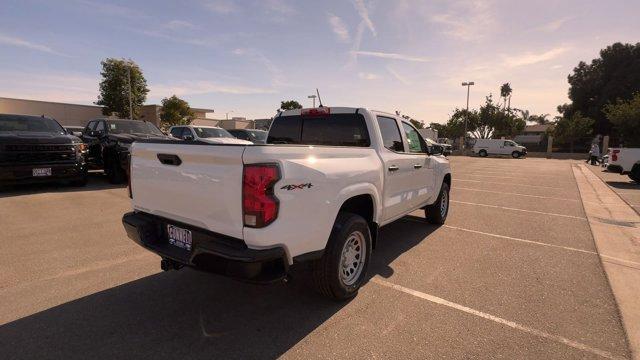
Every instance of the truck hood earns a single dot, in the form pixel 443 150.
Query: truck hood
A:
pixel 129 138
pixel 29 137
pixel 225 141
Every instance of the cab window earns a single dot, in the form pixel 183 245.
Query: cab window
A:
pixel 390 133
pixel 414 140
pixel 100 126
pixel 176 132
pixel 509 143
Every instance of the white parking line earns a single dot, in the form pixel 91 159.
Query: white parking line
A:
pixel 517 194
pixel 493 176
pixel 440 301
pixel 522 210
pixel 511 183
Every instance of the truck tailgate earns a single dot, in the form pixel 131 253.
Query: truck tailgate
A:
pixel 200 185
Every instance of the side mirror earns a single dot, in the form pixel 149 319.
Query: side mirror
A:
pixel 96 133
pixel 188 137
pixel 436 150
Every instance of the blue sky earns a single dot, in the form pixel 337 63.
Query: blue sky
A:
pixel 247 55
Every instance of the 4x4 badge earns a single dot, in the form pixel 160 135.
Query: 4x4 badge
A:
pixel 299 186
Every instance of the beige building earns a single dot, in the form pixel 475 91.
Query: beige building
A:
pixel 79 115
pixel 233 123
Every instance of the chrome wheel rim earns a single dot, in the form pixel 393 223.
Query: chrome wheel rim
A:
pixel 352 258
pixel 444 204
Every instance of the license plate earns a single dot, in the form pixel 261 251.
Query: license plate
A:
pixel 179 237
pixel 41 172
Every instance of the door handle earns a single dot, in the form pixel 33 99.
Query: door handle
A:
pixel 169 159
pixel 393 168
pixel 417 166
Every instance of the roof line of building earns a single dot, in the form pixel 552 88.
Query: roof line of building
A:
pixel 91 106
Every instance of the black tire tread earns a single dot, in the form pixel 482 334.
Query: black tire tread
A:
pixel 432 212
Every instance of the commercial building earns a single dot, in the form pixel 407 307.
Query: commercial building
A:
pixel 79 115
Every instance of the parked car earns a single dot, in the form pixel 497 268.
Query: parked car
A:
pixel 318 192
pixel 37 149
pixel 486 147
pixel 625 161
pixel 208 134
pixel 253 135
pixel 446 149
pixel 74 130
pixel 109 140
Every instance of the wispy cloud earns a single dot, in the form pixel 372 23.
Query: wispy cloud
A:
pixel 178 24
pixel 339 28
pixel 222 7
pixel 530 58
pixel 103 8
pixel 397 76
pixel 555 25
pixel 199 87
pixel 368 76
pixel 195 41
pixel 466 20
pixel 394 56
pixel 48 86
pixel 364 15
pixel 18 42
pixel 277 75
pixel 280 7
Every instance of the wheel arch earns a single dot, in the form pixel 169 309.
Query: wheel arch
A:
pixel 366 204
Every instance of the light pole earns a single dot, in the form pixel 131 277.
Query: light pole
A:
pixel 468 84
pixel 314 99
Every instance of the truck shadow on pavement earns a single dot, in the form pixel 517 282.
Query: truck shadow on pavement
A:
pixel 97 181
pixel 190 314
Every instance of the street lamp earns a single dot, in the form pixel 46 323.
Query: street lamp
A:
pixel 129 65
pixel 468 84
pixel 314 99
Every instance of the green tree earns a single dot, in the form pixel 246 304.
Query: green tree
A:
pixel 175 111
pixel 625 117
pixel 454 127
pixel 114 88
pixel 417 123
pixel 613 76
pixel 290 105
pixel 570 129
pixel 541 119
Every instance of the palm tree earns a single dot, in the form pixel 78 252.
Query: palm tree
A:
pixel 505 92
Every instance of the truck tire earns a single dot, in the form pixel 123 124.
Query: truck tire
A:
pixel 635 173
pixel 115 173
pixel 515 154
pixel 483 153
pixel 437 212
pixel 340 272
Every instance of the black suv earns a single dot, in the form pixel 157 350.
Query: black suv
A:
pixel 109 140
pixel 38 149
pixel 253 135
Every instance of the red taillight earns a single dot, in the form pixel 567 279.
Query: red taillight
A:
pixel 259 204
pixel 614 155
pixel 316 112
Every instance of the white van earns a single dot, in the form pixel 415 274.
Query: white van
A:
pixel 485 147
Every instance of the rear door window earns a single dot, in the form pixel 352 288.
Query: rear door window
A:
pixel 390 133
pixel 328 130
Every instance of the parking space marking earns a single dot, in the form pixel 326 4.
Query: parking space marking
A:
pixel 520 172
pixel 522 210
pixel 440 301
pixel 514 184
pixel 497 177
pixel 516 194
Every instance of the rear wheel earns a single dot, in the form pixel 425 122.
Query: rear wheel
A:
pixel 635 173
pixel 515 154
pixel 483 153
pixel 437 212
pixel 343 267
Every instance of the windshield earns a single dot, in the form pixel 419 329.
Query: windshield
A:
pixel 132 127
pixel 29 124
pixel 257 135
pixel 203 132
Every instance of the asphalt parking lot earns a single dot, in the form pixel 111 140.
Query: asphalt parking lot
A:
pixel 514 273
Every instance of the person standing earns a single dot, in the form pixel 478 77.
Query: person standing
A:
pixel 594 153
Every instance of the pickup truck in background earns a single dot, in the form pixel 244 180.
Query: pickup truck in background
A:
pixel 625 161
pixel 318 191
pixel 108 142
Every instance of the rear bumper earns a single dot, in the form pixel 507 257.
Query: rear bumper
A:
pixel 210 252
pixel 23 174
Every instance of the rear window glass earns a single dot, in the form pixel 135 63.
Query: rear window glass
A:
pixel 332 130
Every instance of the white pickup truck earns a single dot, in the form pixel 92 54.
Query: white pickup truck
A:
pixel 625 161
pixel 319 190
